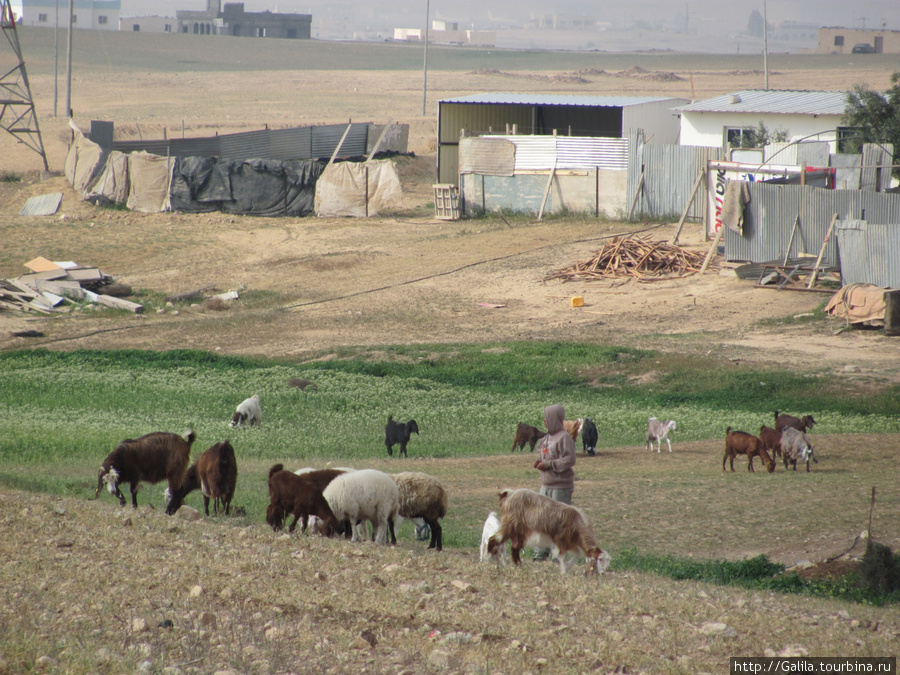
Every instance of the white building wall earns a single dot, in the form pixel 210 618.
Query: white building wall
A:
pixel 656 115
pixel 709 128
pixel 88 16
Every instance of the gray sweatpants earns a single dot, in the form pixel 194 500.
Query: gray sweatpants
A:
pixel 564 496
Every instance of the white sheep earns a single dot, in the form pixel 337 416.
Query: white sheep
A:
pixel 491 527
pixel 659 432
pixel 366 495
pixel 248 412
pixel 422 497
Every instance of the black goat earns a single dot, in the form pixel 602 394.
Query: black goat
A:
pixel 398 432
pixel 589 436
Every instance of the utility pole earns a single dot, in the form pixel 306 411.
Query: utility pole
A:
pixel 56 60
pixel 425 65
pixel 69 60
pixel 766 44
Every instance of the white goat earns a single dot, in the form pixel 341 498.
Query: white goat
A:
pixel 248 412
pixel 491 527
pixel 795 446
pixel 659 432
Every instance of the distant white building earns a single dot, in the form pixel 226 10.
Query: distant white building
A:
pixel 722 120
pixel 149 24
pixel 86 14
pixel 447 32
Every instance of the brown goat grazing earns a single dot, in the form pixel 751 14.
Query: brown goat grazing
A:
pixel 215 474
pixel 300 496
pixel 742 443
pixel 154 457
pixel 531 519
pixel 525 433
pixel 771 440
pixel 803 424
pixel 573 427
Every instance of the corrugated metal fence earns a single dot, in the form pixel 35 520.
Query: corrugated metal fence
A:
pixel 773 209
pixel 670 172
pixel 870 253
pixel 286 144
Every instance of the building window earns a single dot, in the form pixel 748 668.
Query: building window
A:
pixel 168 28
pixel 849 140
pixel 136 28
pixel 838 40
pixel 74 18
pixel 735 137
pixel 101 20
pixel 42 18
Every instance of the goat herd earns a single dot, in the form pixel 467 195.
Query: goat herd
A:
pixel 342 501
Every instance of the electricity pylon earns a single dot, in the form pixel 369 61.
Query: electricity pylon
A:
pixel 17 114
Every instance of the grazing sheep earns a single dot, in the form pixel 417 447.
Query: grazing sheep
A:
pixel 573 427
pixel 659 432
pixel 796 446
pixel 302 384
pixel 531 519
pixel 491 527
pixel 398 432
pixel 422 496
pixel 301 496
pixel 248 412
pixel 215 473
pixel 156 456
pixel 742 443
pixel 366 495
pixel 589 436
pixel 803 424
pixel 525 433
pixel 771 440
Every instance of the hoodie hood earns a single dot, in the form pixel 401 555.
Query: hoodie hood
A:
pixel 553 418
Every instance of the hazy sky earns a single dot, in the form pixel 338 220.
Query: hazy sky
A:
pixel 824 12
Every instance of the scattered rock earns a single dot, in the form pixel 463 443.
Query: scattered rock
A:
pixel 189 514
pixel 852 369
pixel 443 660
pixel 196 591
pixel 138 625
pixel 208 619
pixel 464 586
pixel 715 628
pixel 793 650
pixel 166 623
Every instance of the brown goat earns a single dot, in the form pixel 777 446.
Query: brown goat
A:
pixel 742 443
pixel 215 474
pixel 531 519
pixel 573 427
pixel 300 496
pixel 154 457
pixel 525 433
pixel 803 424
pixel 771 440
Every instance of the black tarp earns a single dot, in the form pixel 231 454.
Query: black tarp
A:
pixel 254 187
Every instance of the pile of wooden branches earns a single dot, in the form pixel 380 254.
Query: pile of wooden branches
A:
pixel 642 259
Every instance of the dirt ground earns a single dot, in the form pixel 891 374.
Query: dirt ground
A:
pixel 310 284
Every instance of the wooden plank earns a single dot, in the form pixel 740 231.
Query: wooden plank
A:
pixel 712 249
pixel 340 143
pixel 815 274
pixel 27 290
pixel 637 193
pixel 547 190
pixel 687 207
pixel 83 274
pixel 118 303
pixel 41 264
pixel 380 139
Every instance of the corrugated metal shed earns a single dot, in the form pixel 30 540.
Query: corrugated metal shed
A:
pixel 770 215
pixel 869 253
pixel 552 99
pixel 770 101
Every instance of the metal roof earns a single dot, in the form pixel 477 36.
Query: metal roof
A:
pixel 769 101
pixel 539 99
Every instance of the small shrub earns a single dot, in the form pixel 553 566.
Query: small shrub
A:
pixel 10 177
pixel 878 570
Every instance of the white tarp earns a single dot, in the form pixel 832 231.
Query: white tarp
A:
pixel 358 190
pixel 150 177
pixel 83 161
pixel 111 187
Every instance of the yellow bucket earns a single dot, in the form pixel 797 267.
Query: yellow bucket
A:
pixel 577 301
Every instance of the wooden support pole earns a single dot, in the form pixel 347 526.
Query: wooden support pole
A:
pixel 787 253
pixel 712 249
pixel 637 193
pixel 547 191
pixel 815 274
pixel 687 207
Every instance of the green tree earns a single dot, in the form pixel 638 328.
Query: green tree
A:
pixel 875 117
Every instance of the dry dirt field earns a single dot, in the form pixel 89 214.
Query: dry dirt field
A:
pixel 312 284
